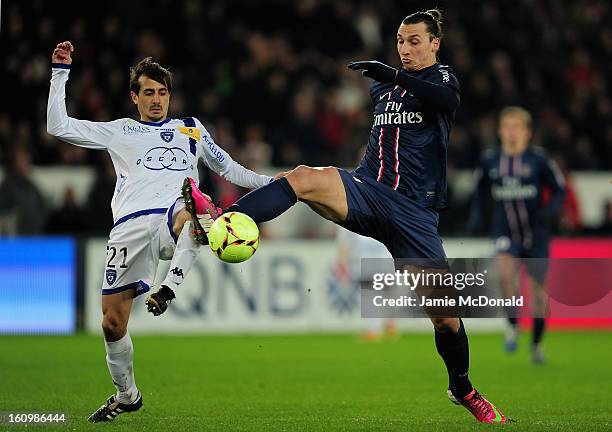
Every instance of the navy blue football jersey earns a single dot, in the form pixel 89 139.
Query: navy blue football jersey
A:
pixel 515 184
pixel 408 143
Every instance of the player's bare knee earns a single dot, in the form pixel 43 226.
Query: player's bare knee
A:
pixel 308 182
pixel 300 180
pixel 446 325
pixel 113 327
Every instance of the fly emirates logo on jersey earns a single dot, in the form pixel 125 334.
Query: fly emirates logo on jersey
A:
pixel 394 115
pixel 512 189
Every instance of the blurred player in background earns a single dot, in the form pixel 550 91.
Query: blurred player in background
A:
pixel 352 248
pixel 515 176
pixel 152 158
pixel 400 185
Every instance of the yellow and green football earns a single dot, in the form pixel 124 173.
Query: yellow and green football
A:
pixel 233 237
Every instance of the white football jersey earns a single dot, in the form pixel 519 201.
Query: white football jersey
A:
pixel 151 159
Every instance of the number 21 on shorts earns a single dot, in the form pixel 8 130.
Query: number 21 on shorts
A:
pixel 115 259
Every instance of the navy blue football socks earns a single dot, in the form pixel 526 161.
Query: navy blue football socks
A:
pixel 267 202
pixel 455 351
pixel 538 330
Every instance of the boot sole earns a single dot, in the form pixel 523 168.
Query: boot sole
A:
pixel 198 232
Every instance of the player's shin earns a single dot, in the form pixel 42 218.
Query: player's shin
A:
pixel 454 349
pixel 267 202
pixel 185 255
pixel 119 357
pixel 512 329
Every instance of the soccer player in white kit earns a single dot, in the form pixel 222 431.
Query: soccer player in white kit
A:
pixel 352 249
pixel 152 158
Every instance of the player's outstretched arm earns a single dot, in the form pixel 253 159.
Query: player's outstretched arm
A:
pixel 222 163
pixel 83 133
pixel 436 96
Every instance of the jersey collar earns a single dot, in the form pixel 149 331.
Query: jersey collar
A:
pixel 155 123
pixel 425 69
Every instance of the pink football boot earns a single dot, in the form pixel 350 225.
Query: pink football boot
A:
pixel 200 207
pixel 482 409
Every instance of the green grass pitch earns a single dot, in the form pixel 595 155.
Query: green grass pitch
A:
pixel 311 382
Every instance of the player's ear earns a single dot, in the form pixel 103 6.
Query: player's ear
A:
pixel 435 43
pixel 134 97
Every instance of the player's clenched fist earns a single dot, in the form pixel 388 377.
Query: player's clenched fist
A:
pixel 62 52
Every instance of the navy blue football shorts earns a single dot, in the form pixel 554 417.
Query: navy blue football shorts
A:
pixel 408 229
pixel 534 255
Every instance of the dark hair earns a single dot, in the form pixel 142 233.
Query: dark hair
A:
pixel 151 69
pixel 432 19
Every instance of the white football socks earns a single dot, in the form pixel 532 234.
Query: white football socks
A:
pixel 119 357
pixel 185 255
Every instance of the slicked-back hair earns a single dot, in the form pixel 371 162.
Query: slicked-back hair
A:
pixel 432 19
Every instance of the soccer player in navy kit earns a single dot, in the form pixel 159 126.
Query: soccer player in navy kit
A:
pixel 514 176
pixel 395 194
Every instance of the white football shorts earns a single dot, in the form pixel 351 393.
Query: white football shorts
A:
pixel 135 246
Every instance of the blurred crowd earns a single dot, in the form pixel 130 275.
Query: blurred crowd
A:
pixel 269 78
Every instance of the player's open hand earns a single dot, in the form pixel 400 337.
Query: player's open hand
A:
pixel 376 70
pixel 62 53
